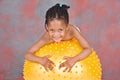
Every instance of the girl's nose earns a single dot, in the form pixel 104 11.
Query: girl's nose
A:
pixel 56 34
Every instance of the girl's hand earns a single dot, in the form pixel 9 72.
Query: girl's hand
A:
pixel 69 63
pixel 47 63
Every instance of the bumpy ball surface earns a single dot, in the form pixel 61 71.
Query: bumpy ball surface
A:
pixel 87 69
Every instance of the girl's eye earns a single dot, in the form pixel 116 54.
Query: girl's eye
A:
pixel 60 29
pixel 51 30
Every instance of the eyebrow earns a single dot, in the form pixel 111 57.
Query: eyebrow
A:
pixel 51 29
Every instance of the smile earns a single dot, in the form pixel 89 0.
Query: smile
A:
pixel 57 39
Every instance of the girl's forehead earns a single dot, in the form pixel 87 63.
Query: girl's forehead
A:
pixel 57 22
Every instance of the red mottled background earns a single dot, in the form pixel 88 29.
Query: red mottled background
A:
pixel 22 23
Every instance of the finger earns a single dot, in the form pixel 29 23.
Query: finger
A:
pixel 66 57
pixel 52 63
pixel 51 67
pixel 46 69
pixel 69 69
pixel 61 65
pixel 65 69
pixel 48 56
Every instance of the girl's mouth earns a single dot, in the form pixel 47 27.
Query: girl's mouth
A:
pixel 57 39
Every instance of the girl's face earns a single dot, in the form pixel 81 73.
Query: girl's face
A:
pixel 57 29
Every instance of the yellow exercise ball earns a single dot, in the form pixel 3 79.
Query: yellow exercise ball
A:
pixel 87 69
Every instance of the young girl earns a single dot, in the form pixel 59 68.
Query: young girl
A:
pixel 58 29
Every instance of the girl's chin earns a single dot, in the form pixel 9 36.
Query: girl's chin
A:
pixel 57 40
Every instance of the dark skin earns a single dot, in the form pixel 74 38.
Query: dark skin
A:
pixel 58 30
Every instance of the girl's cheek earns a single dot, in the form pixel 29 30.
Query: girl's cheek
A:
pixel 52 34
pixel 63 33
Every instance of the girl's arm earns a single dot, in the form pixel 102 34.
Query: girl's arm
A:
pixel 44 61
pixel 84 43
pixel 30 53
pixel 70 61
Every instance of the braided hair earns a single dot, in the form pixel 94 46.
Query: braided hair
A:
pixel 58 11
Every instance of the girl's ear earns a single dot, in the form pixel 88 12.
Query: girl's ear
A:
pixel 46 27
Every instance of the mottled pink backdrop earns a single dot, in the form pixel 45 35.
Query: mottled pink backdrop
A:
pixel 22 24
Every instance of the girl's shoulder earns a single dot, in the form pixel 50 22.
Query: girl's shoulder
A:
pixel 74 28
